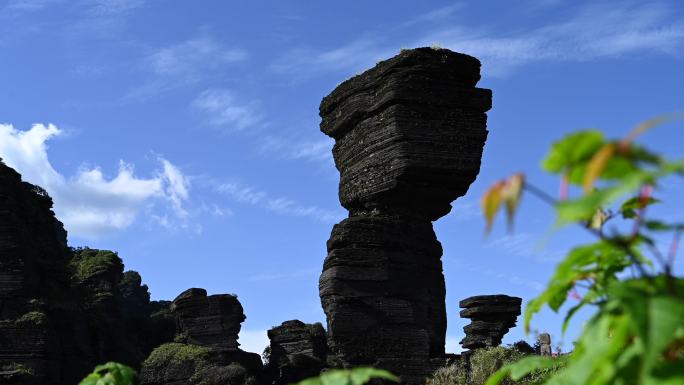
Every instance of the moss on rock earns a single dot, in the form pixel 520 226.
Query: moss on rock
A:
pixel 89 263
pixel 173 351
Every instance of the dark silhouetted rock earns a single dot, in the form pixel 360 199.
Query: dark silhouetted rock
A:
pixel 297 351
pixel 62 310
pixel 208 320
pixel 206 349
pixel 409 135
pixel 492 316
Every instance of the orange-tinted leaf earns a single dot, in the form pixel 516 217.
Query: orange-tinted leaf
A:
pixel 648 124
pixel 491 201
pixel 512 192
pixel 596 165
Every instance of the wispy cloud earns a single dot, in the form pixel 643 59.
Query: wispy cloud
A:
pixel 304 149
pixel 222 109
pixel 189 60
pixel 436 14
pixel 513 279
pixel 600 30
pixel 527 246
pixel 279 205
pixel 353 57
pixel 90 204
pixel 597 31
pixel 466 209
pixel 185 63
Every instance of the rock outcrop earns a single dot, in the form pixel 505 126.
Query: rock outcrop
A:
pixel 206 351
pixel 62 310
pixel 409 135
pixel 297 351
pixel 492 316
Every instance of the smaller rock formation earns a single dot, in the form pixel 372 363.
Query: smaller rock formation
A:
pixel 492 316
pixel 297 351
pixel 545 344
pixel 206 349
pixel 212 321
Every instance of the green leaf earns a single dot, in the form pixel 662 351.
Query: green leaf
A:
pixel 360 376
pixel 571 150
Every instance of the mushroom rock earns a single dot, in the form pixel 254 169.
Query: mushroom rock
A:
pixel 492 316
pixel 409 135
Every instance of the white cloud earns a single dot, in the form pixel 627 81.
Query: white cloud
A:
pixel 90 204
pixel 223 110
pixel 254 341
pixel 279 205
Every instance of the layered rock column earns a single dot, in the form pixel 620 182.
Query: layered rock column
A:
pixel 409 135
pixel 492 316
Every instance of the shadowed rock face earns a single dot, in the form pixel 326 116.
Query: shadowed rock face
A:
pixel 492 316
pixel 208 320
pixel 62 310
pixel 409 135
pixel 206 351
pixel 297 351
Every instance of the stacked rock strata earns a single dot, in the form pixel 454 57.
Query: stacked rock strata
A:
pixel 297 351
pixel 62 310
pixel 492 316
pixel 409 135
pixel 206 351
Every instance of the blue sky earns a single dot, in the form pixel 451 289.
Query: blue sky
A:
pixel 184 135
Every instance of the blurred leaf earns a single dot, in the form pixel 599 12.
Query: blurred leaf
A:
pixel 596 165
pixel 598 219
pixel 650 123
pixel 491 202
pixel 355 376
pixel 571 150
pixel 511 194
pixel 521 368
pixel 362 375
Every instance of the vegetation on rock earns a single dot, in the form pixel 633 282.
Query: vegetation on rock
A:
pixel 175 351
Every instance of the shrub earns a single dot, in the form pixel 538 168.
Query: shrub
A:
pixel 453 374
pixel 485 362
pixel 89 263
pixel 33 317
pixel 175 352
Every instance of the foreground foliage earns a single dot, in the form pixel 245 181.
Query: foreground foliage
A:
pixel 356 376
pixel 636 335
pixel 110 373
